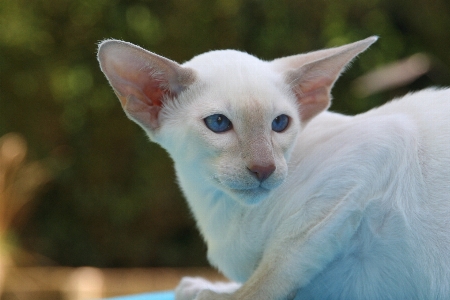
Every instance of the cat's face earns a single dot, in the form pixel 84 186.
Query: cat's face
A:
pixel 228 119
pixel 234 127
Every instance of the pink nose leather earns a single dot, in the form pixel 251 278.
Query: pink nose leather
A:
pixel 262 172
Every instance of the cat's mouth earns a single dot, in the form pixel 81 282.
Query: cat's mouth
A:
pixel 247 192
pixel 249 196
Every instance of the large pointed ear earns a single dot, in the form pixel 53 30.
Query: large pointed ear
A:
pixel 312 75
pixel 142 80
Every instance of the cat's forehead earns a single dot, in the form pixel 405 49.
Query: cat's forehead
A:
pixel 231 67
pixel 220 59
pixel 239 80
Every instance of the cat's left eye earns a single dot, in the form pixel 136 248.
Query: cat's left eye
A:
pixel 280 123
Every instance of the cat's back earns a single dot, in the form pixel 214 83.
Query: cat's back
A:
pixel 428 109
pixel 415 199
pixel 414 130
pixel 427 114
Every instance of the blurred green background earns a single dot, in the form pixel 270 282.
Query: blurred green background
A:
pixel 112 200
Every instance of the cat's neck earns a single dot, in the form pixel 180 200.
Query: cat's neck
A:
pixel 205 200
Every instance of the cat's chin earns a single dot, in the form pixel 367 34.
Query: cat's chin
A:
pixel 249 196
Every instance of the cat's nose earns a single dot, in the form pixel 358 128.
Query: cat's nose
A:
pixel 262 172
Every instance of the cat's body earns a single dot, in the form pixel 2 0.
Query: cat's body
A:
pixel 326 207
pixel 387 157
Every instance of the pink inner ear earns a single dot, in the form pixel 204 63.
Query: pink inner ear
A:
pixel 145 107
pixel 147 89
pixel 313 103
pixel 154 93
pixel 141 96
pixel 141 79
pixel 313 96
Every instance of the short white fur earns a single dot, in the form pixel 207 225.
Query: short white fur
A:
pixel 348 208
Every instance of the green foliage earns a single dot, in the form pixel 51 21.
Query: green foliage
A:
pixel 114 201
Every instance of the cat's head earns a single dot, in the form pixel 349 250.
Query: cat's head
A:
pixel 228 119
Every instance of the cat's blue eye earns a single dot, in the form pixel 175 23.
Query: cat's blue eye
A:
pixel 218 123
pixel 280 123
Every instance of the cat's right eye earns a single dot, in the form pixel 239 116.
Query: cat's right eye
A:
pixel 218 123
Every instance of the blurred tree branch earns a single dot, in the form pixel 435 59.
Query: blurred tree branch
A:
pixel 19 180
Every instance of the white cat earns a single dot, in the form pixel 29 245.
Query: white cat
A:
pixel 295 202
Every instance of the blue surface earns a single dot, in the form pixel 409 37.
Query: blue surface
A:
pixel 149 296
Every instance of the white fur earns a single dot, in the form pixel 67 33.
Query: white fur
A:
pixel 357 208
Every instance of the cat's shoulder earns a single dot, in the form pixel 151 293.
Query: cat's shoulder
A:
pixel 421 102
pixel 428 110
